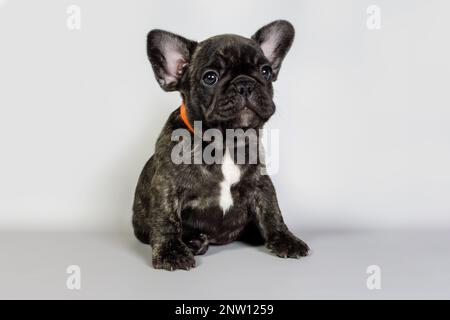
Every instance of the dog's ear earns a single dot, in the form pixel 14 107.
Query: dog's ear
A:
pixel 169 55
pixel 275 40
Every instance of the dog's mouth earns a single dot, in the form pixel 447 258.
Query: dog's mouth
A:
pixel 241 114
pixel 247 118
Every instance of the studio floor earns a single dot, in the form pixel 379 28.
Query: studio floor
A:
pixel 413 264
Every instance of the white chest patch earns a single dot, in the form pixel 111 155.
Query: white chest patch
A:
pixel 231 175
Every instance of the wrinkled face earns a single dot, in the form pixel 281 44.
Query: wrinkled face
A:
pixel 226 81
pixel 231 83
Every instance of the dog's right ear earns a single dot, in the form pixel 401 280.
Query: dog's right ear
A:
pixel 169 55
pixel 275 40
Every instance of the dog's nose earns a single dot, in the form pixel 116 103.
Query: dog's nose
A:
pixel 244 85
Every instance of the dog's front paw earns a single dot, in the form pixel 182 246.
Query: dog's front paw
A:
pixel 288 246
pixel 172 255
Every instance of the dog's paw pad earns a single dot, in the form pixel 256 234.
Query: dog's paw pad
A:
pixel 199 246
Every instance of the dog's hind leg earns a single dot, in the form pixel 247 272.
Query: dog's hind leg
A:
pixel 198 245
pixel 142 205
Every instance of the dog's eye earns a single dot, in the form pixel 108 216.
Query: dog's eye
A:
pixel 210 78
pixel 266 71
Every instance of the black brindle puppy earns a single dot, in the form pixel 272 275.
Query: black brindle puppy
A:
pixel 225 82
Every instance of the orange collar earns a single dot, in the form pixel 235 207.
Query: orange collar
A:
pixel 183 116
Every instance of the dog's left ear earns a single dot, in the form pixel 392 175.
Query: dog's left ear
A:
pixel 275 40
pixel 169 55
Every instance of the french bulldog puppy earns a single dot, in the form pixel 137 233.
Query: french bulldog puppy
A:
pixel 226 83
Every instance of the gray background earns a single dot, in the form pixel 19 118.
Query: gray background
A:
pixel 363 118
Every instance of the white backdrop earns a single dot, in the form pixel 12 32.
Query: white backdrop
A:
pixel 363 114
